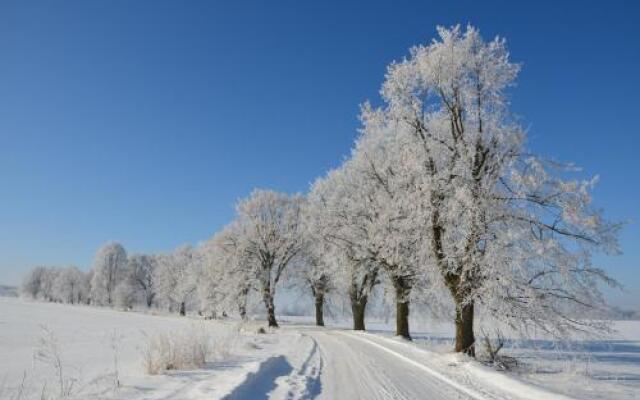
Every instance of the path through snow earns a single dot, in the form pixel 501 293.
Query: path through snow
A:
pixel 292 363
pixel 335 364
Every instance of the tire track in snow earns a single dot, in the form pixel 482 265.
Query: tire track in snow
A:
pixel 305 383
pixel 461 388
pixel 355 370
pixel 490 384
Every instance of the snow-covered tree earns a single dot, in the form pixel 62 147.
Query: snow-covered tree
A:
pixel 33 282
pixel 48 287
pixel 369 222
pixel 498 227
pixel 382 206
pixel 330 205
pixel 88 277
pixel 175 277
pixel 228 276
pixel 269 225
pixel 71 286
pixel 140 274
pixel 125 295
pixel 313 276
pixel 108 270
pixel 315 270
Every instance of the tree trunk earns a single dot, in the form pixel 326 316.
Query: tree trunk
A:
pixel 242 302
pixel 357 309
pixel 402 319
pixel 242 310
pixel 319 308
pixel 465 339
pixel 402 288
pixel 150 299
pixel 183 310
pixel 271 308
pixel 268 294
pixel 271 316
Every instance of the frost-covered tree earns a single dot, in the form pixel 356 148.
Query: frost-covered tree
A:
pixel 330 205
pixel 175 277
pixel 269 225
pixel 88 277
pixel 362 277
pixel 228 276
pixel 65 285
pixel 125 295
pixel 108 270
pixel 48 287
pixel 499 228
pixel 71 286
pixel 382 206
pixel 315 269
pixel 314 276
pixel 370 207
pixel 33 282
pixel 140 274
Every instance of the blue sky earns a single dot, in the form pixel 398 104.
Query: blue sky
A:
pixel 144 121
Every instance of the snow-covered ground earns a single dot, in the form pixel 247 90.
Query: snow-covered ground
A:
pixel 296 362
pixel 88 340
pixel 590 369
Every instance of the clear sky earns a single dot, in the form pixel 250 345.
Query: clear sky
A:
pixel 144 121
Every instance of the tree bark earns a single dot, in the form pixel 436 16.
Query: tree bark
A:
pixel 271 316
pixel 242 302
pixel 402 288
pixel 402 319
pixel 271 308
pixel 357 309
pixel 150 299
pixel 319 296
pixel 465 339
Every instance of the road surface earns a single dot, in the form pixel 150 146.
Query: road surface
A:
pixel 356 368
pixel 334 365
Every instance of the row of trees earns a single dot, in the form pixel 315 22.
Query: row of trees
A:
pixel 166 280
pixel 439 201
pixel 65 285
pixel 442 197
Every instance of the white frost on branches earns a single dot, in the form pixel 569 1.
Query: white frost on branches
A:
pixel 108 270
pixel 439 200
pixel 176 277
pixel 270 234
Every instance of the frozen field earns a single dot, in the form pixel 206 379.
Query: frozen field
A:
pixel 99 346
pixel 88 340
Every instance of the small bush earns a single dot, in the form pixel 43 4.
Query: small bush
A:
pixel 48 352
pixel 190 349
pixel 491 349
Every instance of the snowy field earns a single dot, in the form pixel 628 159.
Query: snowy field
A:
pixel 101 353
pixel 88 340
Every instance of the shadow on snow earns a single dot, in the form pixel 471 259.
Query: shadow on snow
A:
pixel 259 384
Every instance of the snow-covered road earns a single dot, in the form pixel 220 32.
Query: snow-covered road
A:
pixel 358 368
pixel 316 363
